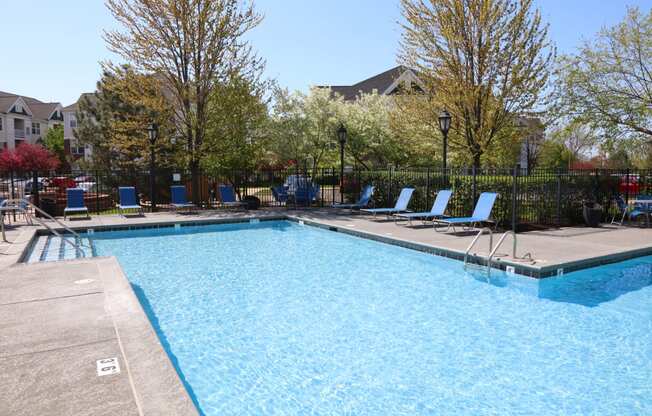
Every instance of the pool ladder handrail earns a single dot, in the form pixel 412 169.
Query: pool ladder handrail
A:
pixel 475 240
pixel 20 204
pixel 500 242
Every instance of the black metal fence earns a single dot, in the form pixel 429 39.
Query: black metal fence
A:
pixel 526 199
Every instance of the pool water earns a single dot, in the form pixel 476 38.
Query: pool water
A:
pixel 278 318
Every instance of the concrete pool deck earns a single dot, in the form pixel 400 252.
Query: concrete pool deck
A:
pixel 60 318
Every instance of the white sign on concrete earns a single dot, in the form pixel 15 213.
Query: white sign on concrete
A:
pixel 108 366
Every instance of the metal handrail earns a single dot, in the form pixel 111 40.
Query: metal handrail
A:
pixel 16 204
pixel 482 231
pixel 500 242
pixel 526 256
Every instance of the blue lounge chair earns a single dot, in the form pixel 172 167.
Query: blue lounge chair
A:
pixel 481 213
pixel 437 211
pixel 227 197
pixel 306 193
pixel 128 200
pixel 75 203
pixel 280 194
pixel 401 204
pixel 365 199
pixel 178 197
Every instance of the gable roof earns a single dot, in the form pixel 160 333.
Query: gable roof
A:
pixel 43 111
pixel 73 107
pixel 38 109
pixel 381 83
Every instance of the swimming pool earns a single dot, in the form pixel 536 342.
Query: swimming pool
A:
pixel 280 318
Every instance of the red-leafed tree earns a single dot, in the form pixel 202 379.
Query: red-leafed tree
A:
pixel 36 158
pixel 9 161
pixel 29 158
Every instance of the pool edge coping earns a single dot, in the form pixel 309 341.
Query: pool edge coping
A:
pixel 521 269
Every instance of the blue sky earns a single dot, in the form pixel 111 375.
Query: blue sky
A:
pixel 51 51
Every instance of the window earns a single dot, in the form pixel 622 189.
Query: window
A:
pixel 36 129
pixel 73 122
pixel 0 124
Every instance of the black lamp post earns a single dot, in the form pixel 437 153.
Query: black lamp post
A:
pixel 341 135
pixel 153 135
pixel 444 126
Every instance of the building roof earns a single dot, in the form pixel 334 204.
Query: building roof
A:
pixel 73 107
pixel 38 108
pixel 381 83
pixel 42 111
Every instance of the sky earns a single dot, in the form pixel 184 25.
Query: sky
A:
pixel 52 52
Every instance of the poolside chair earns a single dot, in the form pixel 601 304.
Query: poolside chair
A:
pixel 227 197
pixel 363 201
pixel 280 194
pixel 178 198
pixel 306 193
pixel 437 211
pixel 128 201
pixel 400 206
pixel 481 213
pixel 75 203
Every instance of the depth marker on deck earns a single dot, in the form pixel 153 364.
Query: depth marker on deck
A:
pixel 107 366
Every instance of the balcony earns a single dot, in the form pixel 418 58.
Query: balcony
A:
pixel 19 133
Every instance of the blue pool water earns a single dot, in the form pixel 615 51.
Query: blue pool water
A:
pixel 282 319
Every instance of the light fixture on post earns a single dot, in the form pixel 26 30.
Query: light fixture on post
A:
pixel 341 136
pixel 444 126
pixel 153 135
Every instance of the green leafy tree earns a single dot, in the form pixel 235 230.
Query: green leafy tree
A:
pixel 115 119
pixel 193 46
pixel 303 126
pixel 54 142
pixel 555 155
pixel 608 83
pixel 236 135
pixel 485 61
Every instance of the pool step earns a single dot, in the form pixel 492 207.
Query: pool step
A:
pixel 53 248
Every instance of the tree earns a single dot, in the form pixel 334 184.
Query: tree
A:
pixel 371 141
pixel 29 158
pixel 555 155
pixel 303 126
pixel 54 142
pixel 115 119
pixel 579 139
pixel 236 132
pixel 193 45
pixel 608 84
pixel 485 61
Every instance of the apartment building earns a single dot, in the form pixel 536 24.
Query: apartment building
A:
pixel 26 119
pixel 71 144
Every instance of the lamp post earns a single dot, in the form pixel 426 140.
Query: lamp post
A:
pixel 444 126
pixel 153 135
pixel 341 135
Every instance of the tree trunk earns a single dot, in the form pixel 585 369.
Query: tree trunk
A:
pixel 476 159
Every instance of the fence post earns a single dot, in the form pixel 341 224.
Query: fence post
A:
pixel 474 185
pixel 97 192
pixel 514 200
pixel 389 186
pixel 627 187
pixel 428 187
pixel 13 191
pixel 558 199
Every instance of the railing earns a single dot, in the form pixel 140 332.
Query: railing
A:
pixel 528 199
pixel 21 205
pixel 19 133
pixel 475 240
